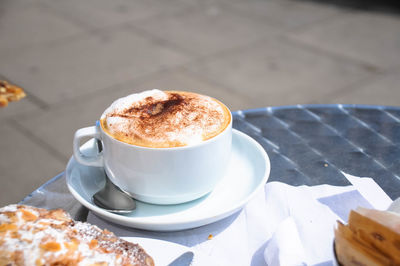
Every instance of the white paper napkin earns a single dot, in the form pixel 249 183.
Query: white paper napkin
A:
pixel 311 215
pixel 259 232
pixel 286 235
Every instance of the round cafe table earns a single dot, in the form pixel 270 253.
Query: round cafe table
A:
pixel 307 145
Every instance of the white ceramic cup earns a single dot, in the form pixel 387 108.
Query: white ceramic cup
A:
pixel 160 175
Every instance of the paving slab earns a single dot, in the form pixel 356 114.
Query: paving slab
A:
pixel 276 71
pixel 205 31
pixel 6 4
pixel 96 14
pixel 287 15
pixel 381 91
pixel 24 26
pixel 365 36
pixel 25 105
pixel 24 165
pixel 57 72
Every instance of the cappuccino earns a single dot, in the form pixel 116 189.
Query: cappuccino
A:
pixel 165 119
pixel 149 145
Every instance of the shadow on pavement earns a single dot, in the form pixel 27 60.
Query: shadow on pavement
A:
pixel 384 6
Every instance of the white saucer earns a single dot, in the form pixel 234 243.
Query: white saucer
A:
pixel 248 171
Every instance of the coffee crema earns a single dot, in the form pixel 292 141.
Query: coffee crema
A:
pixel 165 119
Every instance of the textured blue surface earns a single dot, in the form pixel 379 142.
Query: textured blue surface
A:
pixel 306 144
pixel 312 144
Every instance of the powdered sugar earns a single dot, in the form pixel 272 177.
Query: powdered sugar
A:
pixel 35 235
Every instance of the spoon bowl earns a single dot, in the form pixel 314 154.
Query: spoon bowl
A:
pixel 113 199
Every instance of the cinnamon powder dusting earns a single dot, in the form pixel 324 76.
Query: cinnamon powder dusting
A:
pixel 165 119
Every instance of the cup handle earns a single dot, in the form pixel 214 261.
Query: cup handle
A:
pixel 81 158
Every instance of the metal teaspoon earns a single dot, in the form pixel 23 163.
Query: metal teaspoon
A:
pixel 110 197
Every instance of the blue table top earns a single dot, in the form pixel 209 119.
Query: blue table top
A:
pixel 313 144
pixel 307 145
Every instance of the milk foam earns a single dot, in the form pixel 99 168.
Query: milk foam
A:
pixel 156 118
pixel 119 105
